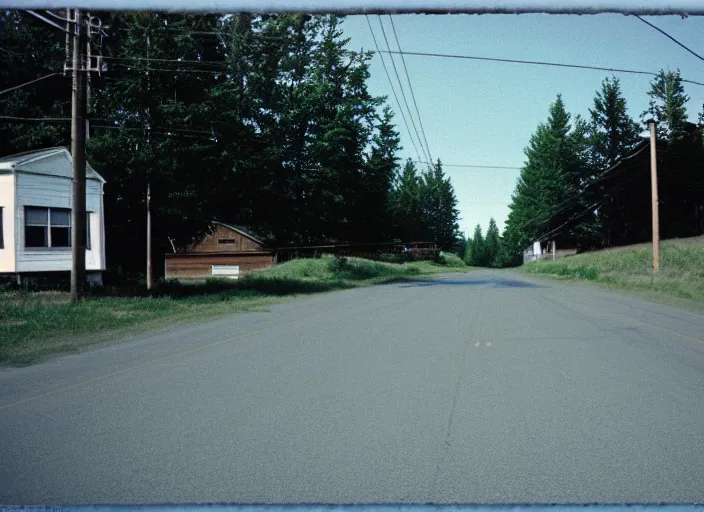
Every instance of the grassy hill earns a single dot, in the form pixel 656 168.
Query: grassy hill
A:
pixel 681 267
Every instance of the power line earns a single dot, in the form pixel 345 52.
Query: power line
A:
pixel 472 166
pixel 185 61
pixel 670 37
pixel 410 87
pixel 403 93
pixel 28 83
pixel 393 90
pixel 47 20
pixel 214 72
pixel 538 63
pixel 15 118
pixel 54 15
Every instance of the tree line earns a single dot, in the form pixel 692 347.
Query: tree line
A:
pixel 570 190
pixel 264 121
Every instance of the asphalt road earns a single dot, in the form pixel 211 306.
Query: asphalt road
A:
pixel 476 388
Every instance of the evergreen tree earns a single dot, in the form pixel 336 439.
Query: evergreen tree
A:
pixel 438 208
pixel 543 199
pixel 477 250
pixel 260 120
pixel 667 105
pixel 612 134
pixel 375 201
pixel 492 245
pixel 405 204
pixel 468 251
pixel 30 49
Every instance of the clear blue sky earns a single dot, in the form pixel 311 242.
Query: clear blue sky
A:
pixel 483 113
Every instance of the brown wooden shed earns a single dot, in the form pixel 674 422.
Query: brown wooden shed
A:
pixel 228 251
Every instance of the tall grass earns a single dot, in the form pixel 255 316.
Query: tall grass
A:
pixel 681 267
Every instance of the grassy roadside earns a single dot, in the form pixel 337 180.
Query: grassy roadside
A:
pixel 630 268
pixel 35 325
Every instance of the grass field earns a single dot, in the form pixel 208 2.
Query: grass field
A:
pixel 681 268
pixel 35 325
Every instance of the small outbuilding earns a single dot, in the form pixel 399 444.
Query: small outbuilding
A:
pixel 227 251
pixel 35 215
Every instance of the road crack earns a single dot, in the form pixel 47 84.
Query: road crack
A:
pixel 456 391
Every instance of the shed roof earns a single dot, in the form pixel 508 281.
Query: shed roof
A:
pixel 242 231
pixel 49 161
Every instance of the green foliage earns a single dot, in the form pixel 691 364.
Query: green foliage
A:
pixel 283 135
pixel 492 245
pixel 477 249
pixel 468 251
pixel 667 105
pixel 424 206
pixel 612 134
pixel 29 49
pixel 338 263
pixel 451 260
pixel 541 201
pixel 681 264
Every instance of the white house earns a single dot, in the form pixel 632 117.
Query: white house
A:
pixel 35 214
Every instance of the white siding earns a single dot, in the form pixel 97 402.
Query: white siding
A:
pixel 7 203
pixel 55 191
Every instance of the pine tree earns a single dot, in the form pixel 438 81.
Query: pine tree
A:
pixel 667 105
pixel 544 195
pixel 438 208
pixel 30 49
pixel 477 249
pixel 492 245
pixel 612 134
pixel 375 221
pixel 405 204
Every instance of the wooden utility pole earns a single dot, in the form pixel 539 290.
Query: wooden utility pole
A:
pixel 149 238
pixel 654 195
pixel 149 196
pixel 78 154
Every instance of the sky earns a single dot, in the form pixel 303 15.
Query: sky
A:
pixel 483 113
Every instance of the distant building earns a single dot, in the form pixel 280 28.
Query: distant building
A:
pixel 228 251
pixel 35 215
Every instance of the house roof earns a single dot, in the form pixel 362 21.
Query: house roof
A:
pixel 49 161
pixel 242 231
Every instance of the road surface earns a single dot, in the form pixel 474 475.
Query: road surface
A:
pixel 475 388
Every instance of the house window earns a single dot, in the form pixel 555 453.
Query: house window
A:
pixel 36 227
pixel 47 227
pixel 227 241
pixel 50 227
pixel 60 228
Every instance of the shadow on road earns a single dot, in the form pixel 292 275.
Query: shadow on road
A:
pixel 490 283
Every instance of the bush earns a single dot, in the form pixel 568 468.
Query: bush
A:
pixel 338 264
pixel 450 260
pixel 394 257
